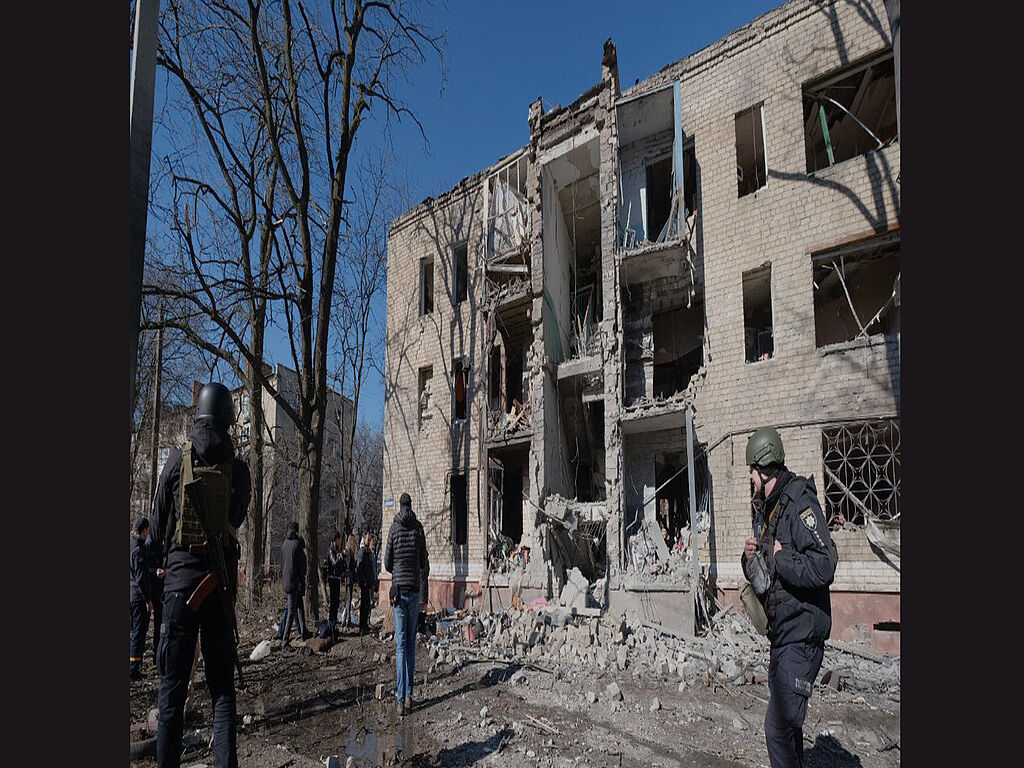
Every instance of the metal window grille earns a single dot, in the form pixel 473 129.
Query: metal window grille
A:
pixel 862 470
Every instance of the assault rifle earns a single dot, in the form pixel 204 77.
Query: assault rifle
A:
pixel 219 578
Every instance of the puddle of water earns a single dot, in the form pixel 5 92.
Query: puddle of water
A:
pixel 369 747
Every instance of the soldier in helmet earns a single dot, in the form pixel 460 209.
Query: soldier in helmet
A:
pixel 208 455
pixel 795 544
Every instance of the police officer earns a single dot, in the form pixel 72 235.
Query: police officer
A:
pixel 140 599
pixel 801 561
pixel 210 455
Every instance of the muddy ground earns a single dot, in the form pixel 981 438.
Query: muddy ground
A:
pixel 300 707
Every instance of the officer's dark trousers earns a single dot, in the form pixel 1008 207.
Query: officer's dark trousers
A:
pixel 334 585
pixel 158 613
pixel 294 608
pixel 791 673
pixel 180 632
pixel 138 624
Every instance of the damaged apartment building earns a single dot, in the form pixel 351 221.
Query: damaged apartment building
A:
pixel 581 337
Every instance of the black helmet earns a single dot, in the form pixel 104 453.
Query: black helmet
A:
pixel 765 447
pixel 215 403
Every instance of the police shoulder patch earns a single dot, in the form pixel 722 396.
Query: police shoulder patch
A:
pixel 808 517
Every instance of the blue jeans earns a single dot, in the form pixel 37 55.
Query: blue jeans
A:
pixel 407 614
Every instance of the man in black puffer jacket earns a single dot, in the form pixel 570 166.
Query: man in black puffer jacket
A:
pixel 406 558
pixel 211 457
pixel 801 560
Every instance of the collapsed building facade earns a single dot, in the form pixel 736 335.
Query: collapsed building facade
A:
pixel 713 249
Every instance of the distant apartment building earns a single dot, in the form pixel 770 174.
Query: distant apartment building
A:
pixel 280 467
pixel 721 238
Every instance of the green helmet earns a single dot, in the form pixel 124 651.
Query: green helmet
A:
pixel 765 447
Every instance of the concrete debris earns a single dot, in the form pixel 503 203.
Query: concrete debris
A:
pixel 261 651
pixel 738 724
pixel 655 704
pixel 552 639
pixel 591 697
pixel 574 593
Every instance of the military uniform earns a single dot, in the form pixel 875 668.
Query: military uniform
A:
pixel 798 607
pixel 186 566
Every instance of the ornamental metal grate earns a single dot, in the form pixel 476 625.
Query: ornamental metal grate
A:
pixel 864 461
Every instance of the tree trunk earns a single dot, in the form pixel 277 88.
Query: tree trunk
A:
pixel 255 529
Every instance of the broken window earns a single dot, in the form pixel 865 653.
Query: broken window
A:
pixel 495 379
pixel 850 112
pixel 461 272
pixel 862 472
pixel 460 377
pixel 659 196
pixel 584 321
pixel 678 348
pixel 689 177
pixel 751 166
pixel 426 374
pixel 460 509
pixel 757 314
pixel 856 290
pixel 426 286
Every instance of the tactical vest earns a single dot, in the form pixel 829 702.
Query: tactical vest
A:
pixel 216 490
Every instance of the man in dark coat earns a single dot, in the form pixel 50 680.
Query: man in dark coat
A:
pixel 797 549
pixel 407 560
pixel 140 599
pixel 187 565
pixel 293 579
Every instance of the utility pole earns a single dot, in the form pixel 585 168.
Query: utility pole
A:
pixel 140 142
pixel 154 444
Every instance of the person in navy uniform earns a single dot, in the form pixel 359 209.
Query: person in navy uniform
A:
pixel 801 559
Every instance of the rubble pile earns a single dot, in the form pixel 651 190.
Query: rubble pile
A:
pixel 731 652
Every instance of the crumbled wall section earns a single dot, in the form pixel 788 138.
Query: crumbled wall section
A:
pixel 800 389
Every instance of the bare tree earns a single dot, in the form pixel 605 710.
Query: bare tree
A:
pixel 358 296
pixel 222 216
pixel 279 92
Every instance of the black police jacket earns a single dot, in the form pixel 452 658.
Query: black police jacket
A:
pixel 798 605
pixel 212 445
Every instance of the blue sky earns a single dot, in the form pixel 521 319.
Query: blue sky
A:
pixel 502 56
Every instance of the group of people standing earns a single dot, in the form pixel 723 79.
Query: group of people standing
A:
pixel 349 565
pixel 354 566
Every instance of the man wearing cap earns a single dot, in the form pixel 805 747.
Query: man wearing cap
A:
pixel 406 558
pixel 207 458
pixel 140 600
pixel 796 550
